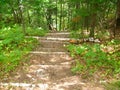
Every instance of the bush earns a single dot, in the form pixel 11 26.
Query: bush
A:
pixel 13 47
pixel 92 58
pixel 113 86
pixel 35 31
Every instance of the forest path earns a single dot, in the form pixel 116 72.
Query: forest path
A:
pixel 48 69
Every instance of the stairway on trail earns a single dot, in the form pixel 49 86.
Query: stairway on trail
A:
pixel 48 69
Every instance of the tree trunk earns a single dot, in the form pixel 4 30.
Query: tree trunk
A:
pixel 49 17
pixel 93 24
pixel 14 12
pixel 56 15
pixel 60 27
pixel 93 19
pixel 68 16
pixel 117 31
pixel 28 15
pixel 22 21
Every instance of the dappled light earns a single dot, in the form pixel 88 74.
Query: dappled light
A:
pixel 59 44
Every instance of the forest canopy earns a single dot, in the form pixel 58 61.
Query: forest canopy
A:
pixel 62 14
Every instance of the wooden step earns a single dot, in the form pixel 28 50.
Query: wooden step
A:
pixel 51 38
pixel 50 59
pixel 50 49
pixel 58 35
pixel 40 52
pixel 52 45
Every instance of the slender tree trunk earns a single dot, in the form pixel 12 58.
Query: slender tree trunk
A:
pixel 68 16
pixel 87 18
pixel 63 19
pixel 21 15
pixel 14 12
pixel 93 24
pixel 49 17
pixel 38 17
pixel 15 16
pixel 93 19
pixel 61 11
pixel 23 22
pixel 56 15
pixel 28 15
pixel 117 31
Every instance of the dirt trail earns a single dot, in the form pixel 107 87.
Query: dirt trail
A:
pixel 48 69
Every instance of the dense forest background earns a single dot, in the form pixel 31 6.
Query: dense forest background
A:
pixel 93 16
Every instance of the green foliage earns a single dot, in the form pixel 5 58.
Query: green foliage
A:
pixel 78 67
pixel 74 35
pixel 103 34
pixel 113 86
pixel 114 42
pixel 35 31
pixel 93 58
pixel 78 34
pixel 13 47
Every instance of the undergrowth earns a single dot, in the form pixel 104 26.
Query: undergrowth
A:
pixel 14 46
pixel 91 58
pixel 113 86
pixel 78 34
pixel 35 31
